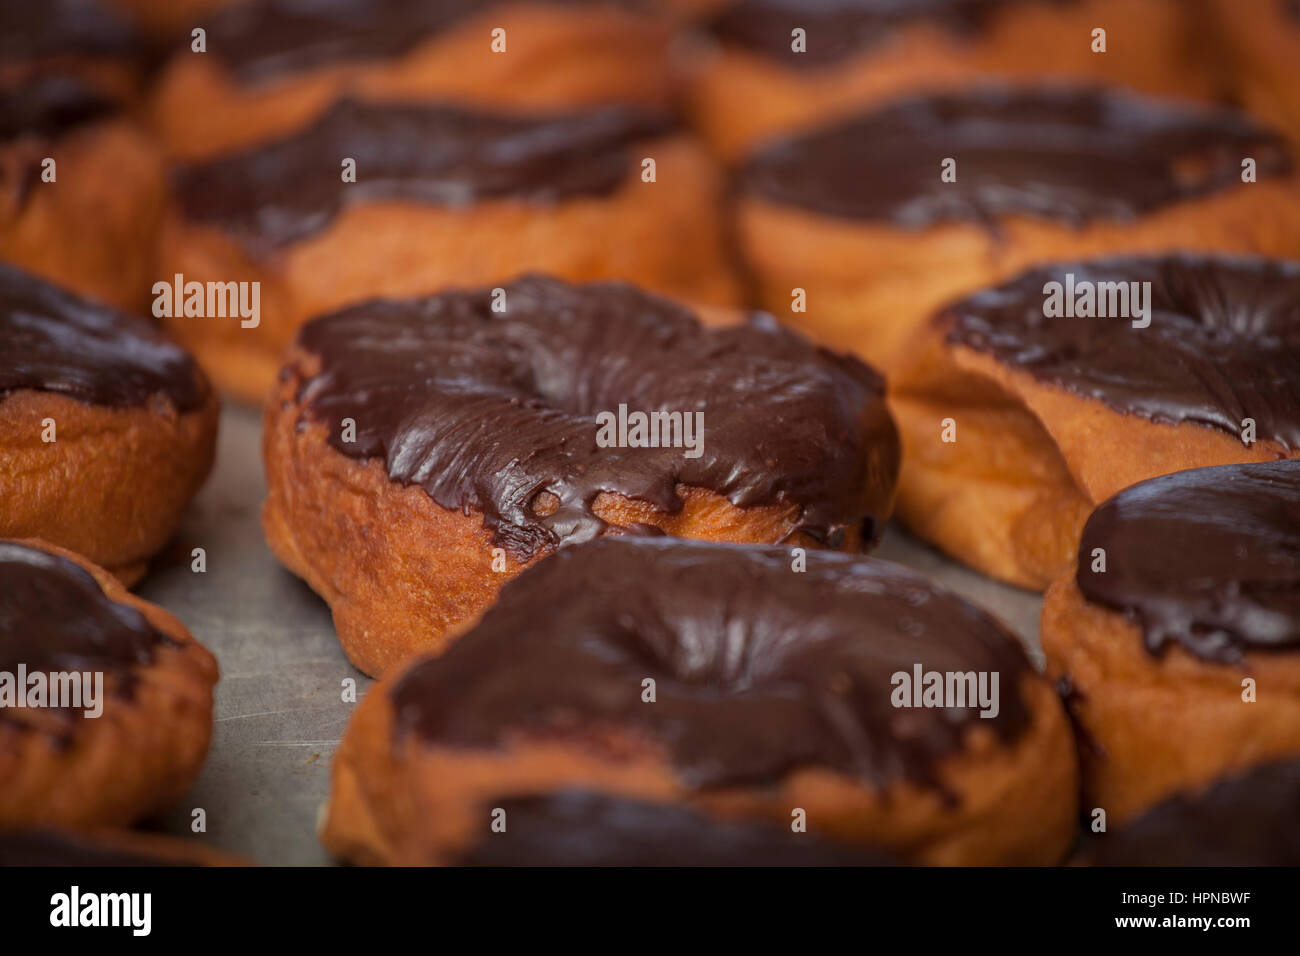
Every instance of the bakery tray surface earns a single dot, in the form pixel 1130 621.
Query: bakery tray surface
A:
pixel 279 705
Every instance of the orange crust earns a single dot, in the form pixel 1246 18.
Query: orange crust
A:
pixel 115 482
pixel 137 758
pixel 1161 724
pixel 408 803
pixel 556 57
pixel 94 228
pixel 666 236
pixel 1010 496
pixel 403 574
pixel 870 285
pixel 1264 46
pixel 738 99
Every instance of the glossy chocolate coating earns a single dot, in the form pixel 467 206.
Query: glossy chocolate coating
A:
pixel 262 40
pixel 439 155
pixel 1208 559
pixel 575 828
pixel 1223 344
pixel 68 848
pixel 51 340
pixel 759 670
pixel 34 29
pixel 839 29
pixel 48 105
pixel 54 617
pixel 1066 154
pixel 1247 820
pixel 486 410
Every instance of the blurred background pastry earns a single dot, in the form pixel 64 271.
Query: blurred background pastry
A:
pixel 883 217
pixel 753 86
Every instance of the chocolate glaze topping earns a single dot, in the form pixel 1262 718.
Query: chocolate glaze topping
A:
pixel 839 29
pixel 759 670
pixel 48 104
pixel 441 155
pixel 33 29
pixel 55 617
pixel 1070 154
pixel 54 341
pixel 1208 558
pixel 264 39
pixel 575 828
pixel 1250 820
pixel 1223 344
pixel 66 848
pixel 486 410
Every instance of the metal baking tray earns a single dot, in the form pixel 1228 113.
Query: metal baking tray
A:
pixel 279 706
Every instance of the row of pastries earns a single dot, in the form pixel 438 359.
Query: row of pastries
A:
pixel 434 239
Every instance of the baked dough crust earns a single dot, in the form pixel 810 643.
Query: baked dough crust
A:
pixel 114 484
pixel 1151 726
pixel 95 227
pixel 1010 496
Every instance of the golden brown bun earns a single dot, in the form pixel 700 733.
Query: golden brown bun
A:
pixel 137 758
pixel 738 99
pixel 871 285
pixel 1009 497
pixel 556 56
pixel 1153 725
pixel 669 240
pixel 401 573
pixel 407 803
pixel 94 228
pixel 112 486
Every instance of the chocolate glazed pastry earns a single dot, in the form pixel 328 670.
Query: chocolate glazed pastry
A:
pixel 272 66
pixel 717 677
pixel 1246 820
pixel 445 422
pixel 584 829
pixel 137 745
pixel 81 188
pixel 1027 422
pixel 107 429
pixel 443 197
pixel 858 54
pixel 1180 632
pixel 884 217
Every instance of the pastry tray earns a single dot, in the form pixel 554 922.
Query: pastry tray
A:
pixel 279 705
